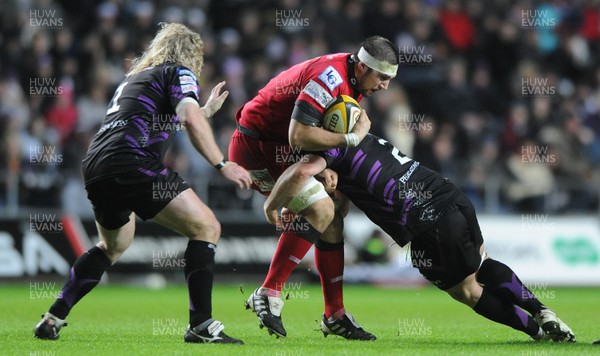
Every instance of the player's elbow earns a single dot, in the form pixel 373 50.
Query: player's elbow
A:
pixel 301 136
pixel 297 140
pixel 189 117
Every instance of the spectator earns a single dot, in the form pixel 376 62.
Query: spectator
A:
pixel 476 58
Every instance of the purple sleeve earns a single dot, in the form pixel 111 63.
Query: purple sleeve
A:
pixel 181 83
pixel 332 156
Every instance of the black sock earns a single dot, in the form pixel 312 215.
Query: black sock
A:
pixel 328 246
pixel 493 308
pixel 85 275
pixel 199 271
pixel 504 283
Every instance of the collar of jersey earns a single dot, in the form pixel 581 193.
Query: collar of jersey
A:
pixel 352 76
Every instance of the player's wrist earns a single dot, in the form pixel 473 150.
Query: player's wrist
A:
pixel 207 112
pixel 221 165
pixel 352 139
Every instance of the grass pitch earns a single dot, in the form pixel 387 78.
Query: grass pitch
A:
pixel 121 320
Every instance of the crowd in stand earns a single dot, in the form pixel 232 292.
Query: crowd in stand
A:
pixel 502 97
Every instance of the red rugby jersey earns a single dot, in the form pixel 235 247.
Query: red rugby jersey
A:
pixel 302 92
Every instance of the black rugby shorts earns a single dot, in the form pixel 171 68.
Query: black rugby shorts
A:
pixel 114 198
pixel 449 251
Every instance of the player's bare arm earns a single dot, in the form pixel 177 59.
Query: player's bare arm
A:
pixel 313 138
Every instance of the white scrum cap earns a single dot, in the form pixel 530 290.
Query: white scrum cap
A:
pixel 376 64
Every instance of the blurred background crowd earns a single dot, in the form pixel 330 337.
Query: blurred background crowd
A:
pixel 502 97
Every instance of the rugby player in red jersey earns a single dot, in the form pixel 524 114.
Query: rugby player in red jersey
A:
pixel 274 130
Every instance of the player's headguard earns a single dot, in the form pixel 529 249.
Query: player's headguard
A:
pixel 379 54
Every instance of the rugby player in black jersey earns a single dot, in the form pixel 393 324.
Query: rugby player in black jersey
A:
pixel 125 176
pixel 414 204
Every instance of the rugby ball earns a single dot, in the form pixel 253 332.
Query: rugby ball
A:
pixel 341 114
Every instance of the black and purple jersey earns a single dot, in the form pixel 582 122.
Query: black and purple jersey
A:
pixel 395 192
pixel 140 122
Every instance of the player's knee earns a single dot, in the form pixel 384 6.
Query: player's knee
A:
pixel 208 230
pixel 327 212
pixel 334 232
pixel 462 295
pixel 466 292
pixel 343 207
pixel 112 250
pixel 320 214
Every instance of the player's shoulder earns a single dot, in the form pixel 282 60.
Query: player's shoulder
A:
pixel 175 69
pixel 373 143
pixel 332 58
pixel 338 61
pixel 330 69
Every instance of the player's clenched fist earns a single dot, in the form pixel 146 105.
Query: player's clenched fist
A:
pixel 362 126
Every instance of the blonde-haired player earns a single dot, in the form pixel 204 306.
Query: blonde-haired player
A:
pixel 125 176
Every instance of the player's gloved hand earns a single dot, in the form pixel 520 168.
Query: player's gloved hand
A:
pixel 236 174
pixel 329 178
pixel 215 100
pixel 359 131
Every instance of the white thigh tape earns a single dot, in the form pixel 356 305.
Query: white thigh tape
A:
pixel 312 191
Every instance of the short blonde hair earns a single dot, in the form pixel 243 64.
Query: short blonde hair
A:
pixel 173 43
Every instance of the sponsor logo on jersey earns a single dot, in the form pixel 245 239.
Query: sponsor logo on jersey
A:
pixel 112 125
pixel 181 72
pixel 187 79
pixel 317 92
pixel 406 176
pixel 186 88
pixel 331 78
